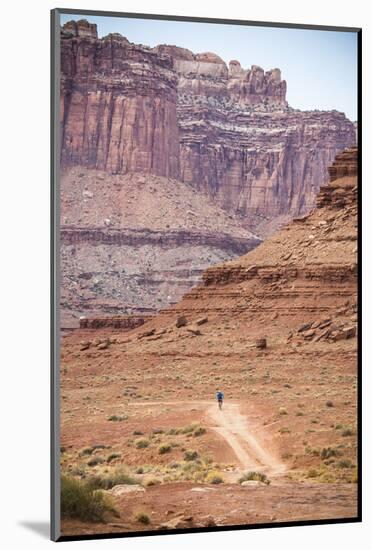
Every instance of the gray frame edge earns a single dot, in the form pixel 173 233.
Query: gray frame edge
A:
pixel 55 515
pixel 195 19
pixel 55 483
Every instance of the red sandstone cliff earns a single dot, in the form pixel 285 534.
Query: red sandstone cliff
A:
pixel 172 162
pixel 169 112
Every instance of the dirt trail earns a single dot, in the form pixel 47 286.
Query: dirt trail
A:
pixel 233 426
pixel 230 424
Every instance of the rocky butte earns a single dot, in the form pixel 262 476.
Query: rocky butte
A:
pixel 190 123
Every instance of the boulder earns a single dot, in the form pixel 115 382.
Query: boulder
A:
pixel 194 330
pixel 305 327
pixel 201 321
pixel 349 332
pixel 261 343
pixel 147 333
pixel 119 490
pixel 103 345
pixel 181 322
pixel 84 345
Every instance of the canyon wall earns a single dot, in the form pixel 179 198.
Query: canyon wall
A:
pixel 169 112
pixel 172 162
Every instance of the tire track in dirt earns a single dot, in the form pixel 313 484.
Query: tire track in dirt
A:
pixel 233 427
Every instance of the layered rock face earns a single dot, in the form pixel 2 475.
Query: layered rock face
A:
pixel 133 244
pixel 304 273
pixel 171 162
pixel 122 322
pixel 167 111
pixel 118 105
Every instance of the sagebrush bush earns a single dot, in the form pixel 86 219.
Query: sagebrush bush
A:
pixel 113 456
pixel 346 463
pixel 142 518
pixel 86 452
pixel 80 501
pixel 191 455
pixel 199 431
pixel 116 418
pixel 328 452
pixel 163 449
pixel 150 481
pixel 214 477
pixel 95 461
pixel 141 443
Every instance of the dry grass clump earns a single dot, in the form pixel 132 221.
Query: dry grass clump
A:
pixel 79 500
pixel 117 477
pixel 142 517
pixel 214 477
pixel 164 448
pixel 142 443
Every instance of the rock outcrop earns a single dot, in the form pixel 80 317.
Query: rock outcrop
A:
pixel 122 322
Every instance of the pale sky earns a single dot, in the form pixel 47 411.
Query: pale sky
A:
pixel 320 67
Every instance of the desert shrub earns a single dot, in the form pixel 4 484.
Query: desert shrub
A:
pixel 329 404
pixel 299 413
pixel 150 481
pixel 118 477
pixel 313 473
pixel 254 476
pixel 173 431
pixel 312 451
pixel 113 456
pixel 163 449
pixel 347 432
pixel 214 477
pixel 190 428
pixel 139 470
pixel 142 518
pixel 116 418
pixel 137 432
pixel 284 430
pixel 346 463
pixel 191 455
pixel 328 452
pixel 95 461
pixel 79 500
pixel 141 443
pixel 86 452
pixel 282 411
